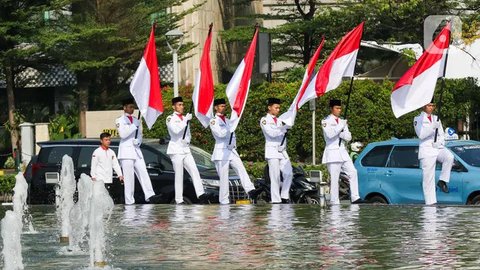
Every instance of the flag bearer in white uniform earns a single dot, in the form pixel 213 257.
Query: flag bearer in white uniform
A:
pixel 276 152
pixel 179 151
pixel 335 154
pixel 225 154
pixel 130 155
pixel 430 152
pixel 104 161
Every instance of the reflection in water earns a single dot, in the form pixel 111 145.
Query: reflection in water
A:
pixel 271 237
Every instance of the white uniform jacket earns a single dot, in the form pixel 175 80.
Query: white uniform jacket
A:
pixel 274 133
pixel 103 161
pixel 425 130
pixel 333 132
pixel 221 132
pixel 176 127
pixel 129 147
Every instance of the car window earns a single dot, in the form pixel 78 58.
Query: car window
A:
pixel 85 156
pixel 404 157
pixel 469 153
pixel 377 157
pixel 202 159
pixel 150 156
pixel 54 155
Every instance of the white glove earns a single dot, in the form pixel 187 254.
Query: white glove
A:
pixel 185 142
pixel 281 148
pixel 136 142
pixel 231 147
pixel 437 124
pixel 188 117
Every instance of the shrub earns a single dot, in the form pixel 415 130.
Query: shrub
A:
pixel 7 183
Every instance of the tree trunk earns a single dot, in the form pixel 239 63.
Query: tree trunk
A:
pixel 11 106
pixel 83 81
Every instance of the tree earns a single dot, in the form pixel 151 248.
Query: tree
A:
pixel 102 42
pixel 20 24
pixel 306 21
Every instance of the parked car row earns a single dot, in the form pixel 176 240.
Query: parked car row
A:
pixel 43 174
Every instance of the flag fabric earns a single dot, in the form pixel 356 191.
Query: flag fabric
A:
pixel 145 86
pixel 303 96
pixel 203 92
pixel 416 87
pixel 238 87
pixel 339 64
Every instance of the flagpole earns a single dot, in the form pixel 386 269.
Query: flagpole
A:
pixel 443 83
pixel 136 131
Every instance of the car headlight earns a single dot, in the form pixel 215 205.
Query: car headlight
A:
pixel 211 182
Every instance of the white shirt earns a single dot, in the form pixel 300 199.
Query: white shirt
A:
pixel 176 127
pixel 274 133
pixel 332 133
pixel 103 161
pixel 425 130
pixel 221 132
pixel 129 147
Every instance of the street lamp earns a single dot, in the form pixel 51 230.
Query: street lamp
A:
pixel 173 34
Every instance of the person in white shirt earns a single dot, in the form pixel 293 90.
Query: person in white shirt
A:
pixel 179 151
pixel 335 155
pixel 430 151
pixel 130 154
pixel 225 154
pixel 276 152
pixel 104 161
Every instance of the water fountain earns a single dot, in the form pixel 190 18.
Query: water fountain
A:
pixel 12 248
pixel 79 216
pixel 66 187
pixel 20 206
pixel 100 210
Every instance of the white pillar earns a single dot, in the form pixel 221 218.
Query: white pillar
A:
pixel 28 142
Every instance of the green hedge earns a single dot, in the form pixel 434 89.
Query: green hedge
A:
pixel 370 116
pixel 7 183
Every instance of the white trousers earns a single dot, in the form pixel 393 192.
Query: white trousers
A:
pixel 181 161
pixel 132 167
pixel 334 169
pixel 223 167
pixel 277 166
pixel 428 172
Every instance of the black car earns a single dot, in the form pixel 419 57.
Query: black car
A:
pixel 44 172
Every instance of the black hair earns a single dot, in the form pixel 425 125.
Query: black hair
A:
pixel 105 135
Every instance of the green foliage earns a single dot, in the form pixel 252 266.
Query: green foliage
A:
pixel 64 126
pixel 370 117
pixel 7 183
pixel 9 163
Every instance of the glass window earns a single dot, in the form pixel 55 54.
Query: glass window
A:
pixel 404 157
pixel 202 158
pixel 150 156
pixel 377 157
pixel 469 153
pixel 85 157
pixel 54 155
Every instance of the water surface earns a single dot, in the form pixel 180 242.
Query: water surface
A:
pixel 270 237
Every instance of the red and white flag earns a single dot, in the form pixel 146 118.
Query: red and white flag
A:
pixel 145 86
pixel 416 87
pixel 303 96
pixel 203 92
pixel 237 88
pixel 339 64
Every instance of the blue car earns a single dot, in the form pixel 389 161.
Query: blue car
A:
pixel 389 172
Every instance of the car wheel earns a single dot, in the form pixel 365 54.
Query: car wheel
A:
pixel 475 200
pixel 309 199
pixel 377 199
